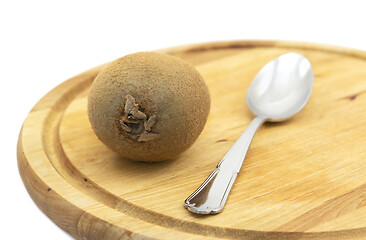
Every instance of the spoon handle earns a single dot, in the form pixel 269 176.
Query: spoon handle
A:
pixel 211 196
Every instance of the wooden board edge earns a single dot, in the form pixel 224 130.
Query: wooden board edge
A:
pixel 197 47
pixel 63 213
pixel 41 193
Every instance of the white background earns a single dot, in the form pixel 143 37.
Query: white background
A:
pixel 43 43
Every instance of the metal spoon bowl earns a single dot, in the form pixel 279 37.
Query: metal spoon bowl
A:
pixel 279 90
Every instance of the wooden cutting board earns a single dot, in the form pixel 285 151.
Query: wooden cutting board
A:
pixel 304 178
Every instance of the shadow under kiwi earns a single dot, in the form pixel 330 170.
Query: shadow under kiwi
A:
pixel 141 167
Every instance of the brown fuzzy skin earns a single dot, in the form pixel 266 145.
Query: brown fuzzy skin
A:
pixel 162 85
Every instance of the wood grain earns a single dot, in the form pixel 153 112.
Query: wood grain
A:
pixel 304 178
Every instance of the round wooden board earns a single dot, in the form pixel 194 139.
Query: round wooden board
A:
pixel 304 178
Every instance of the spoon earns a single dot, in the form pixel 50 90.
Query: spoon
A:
pixel 279 90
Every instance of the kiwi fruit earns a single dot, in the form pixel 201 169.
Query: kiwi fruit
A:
pixel 148 106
